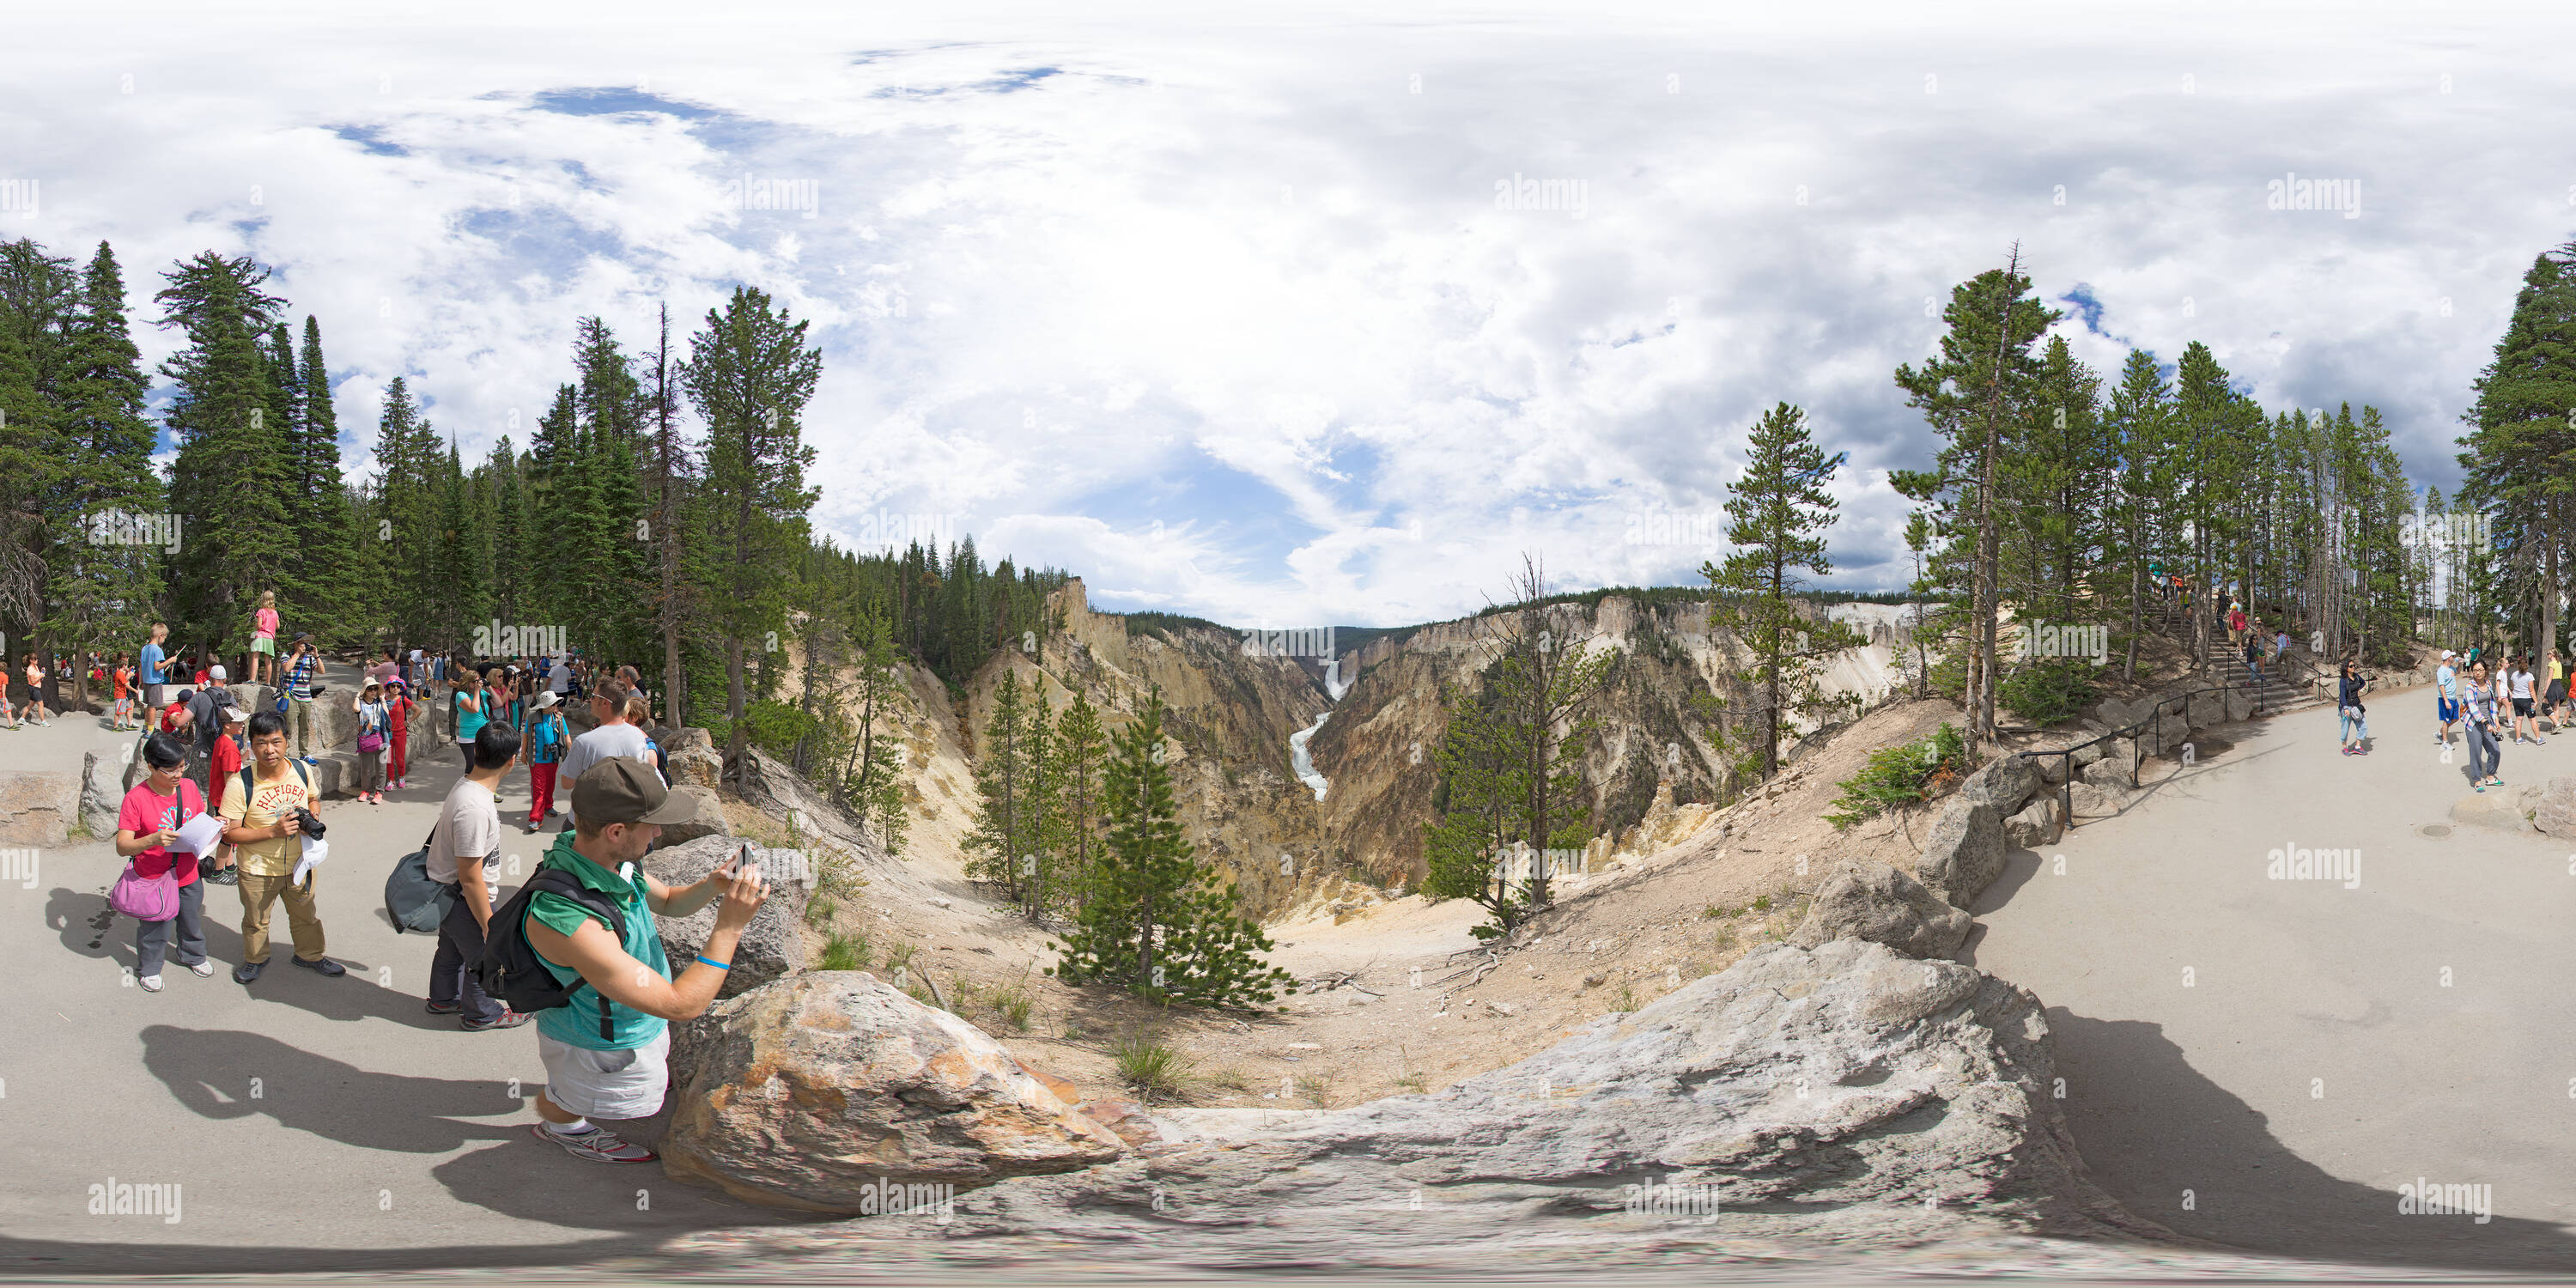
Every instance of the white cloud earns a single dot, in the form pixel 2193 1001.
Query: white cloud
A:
pixel 1074 279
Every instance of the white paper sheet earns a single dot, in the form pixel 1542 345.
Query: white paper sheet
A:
pixel 200 835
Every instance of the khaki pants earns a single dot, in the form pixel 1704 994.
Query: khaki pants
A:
pixel 300 714
pixel 303 918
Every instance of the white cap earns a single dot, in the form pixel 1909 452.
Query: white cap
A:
pixel 215 673
pixel 2447 655
pixel 235 715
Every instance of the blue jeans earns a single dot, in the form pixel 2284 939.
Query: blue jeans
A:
pixel 2486 752
pixel 2354 726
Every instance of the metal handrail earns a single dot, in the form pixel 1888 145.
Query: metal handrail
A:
pixel 2154 719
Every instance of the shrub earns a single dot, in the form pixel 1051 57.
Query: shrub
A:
pixel 1011 1003
pixel 845 952
pixel 2048 692
pixel 1149 1066
pixel 1902 775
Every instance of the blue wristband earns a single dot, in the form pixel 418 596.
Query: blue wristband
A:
pixel 717 964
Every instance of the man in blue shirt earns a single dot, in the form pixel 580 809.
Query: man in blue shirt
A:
pixel 152 657
pixel 2446 703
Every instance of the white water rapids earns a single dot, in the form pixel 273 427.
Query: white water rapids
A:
pixel 1303 763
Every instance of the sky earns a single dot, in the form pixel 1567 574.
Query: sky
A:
pixel 1322 314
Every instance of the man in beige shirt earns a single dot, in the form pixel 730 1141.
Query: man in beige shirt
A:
pixel 263 824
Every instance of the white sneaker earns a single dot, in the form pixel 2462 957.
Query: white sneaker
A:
pixel 205 969
pixel 150 983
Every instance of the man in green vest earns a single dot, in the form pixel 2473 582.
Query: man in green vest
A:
pixel 622 806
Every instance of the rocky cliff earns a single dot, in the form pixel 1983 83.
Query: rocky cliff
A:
pixel 1233 711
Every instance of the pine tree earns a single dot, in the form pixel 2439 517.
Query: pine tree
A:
pixel 329 586
pixel 750 375
pixel 871 779
pixel 2520 453
pixel 1153 920
pixel 1975 393
pixel 1079 748
pixel 1777 515
pixel 102 594
pixel 1002 775
pixel 1476 810
pixel 234 470
pixel 410 519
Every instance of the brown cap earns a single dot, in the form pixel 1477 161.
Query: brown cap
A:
pixel 622 789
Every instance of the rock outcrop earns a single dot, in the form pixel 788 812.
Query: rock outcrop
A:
pixel 1843 1093
pixel 812 1091
pixel 1964 852
pixel 39 807
pixel 1871 901
pixel 2002 784
pixel 2555 811
pixel 770 947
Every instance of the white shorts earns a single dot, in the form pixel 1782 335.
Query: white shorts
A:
pixel 607 1084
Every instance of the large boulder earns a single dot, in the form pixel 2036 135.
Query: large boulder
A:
pixel 1866 899
pixel 710 820
pixel 771 946
pixel 813 1092
pixel 99 802
pixel 774 789
pixel 2002 784
pixel 1840 1095
pixel 2091 800
pixel 695 764
pixel 2240 706
pixel 2116 773
pixel 1964 852
pixel 2208 710
pixel 2039 823
pixel 2504 809
pixel 39 807
pixel 2555 811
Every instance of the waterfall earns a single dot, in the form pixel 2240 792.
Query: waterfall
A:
pixel 1303 763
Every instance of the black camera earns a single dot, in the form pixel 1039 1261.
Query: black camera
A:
pixel 308 822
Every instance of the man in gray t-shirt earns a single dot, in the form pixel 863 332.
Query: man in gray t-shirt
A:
pixel 461 854
pixel 614 737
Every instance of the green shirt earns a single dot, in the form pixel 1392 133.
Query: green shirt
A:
pixel 577 1022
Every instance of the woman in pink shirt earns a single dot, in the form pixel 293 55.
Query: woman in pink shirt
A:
pixel 263 638
pixel 146 825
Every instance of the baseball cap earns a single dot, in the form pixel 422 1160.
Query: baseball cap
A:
pixel 2447 655
pixel 622 789
pixel 215 673
pixel 235 715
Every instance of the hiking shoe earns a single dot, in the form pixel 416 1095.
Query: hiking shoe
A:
pixel 248 971
pixel 224 877
pixel 322 965
pixel 596 1145
pixel 150 983
pixel 444 1008
pixel 204 967
pixel 508 1020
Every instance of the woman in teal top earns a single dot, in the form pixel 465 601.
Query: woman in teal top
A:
pixel 470 714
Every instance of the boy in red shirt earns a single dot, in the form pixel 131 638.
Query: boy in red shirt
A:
pixel 124 699
pixel 223 772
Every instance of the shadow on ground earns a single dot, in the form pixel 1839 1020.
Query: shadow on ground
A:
pixel 2154 1130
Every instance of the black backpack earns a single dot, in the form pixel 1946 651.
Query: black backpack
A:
pixel 509 968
